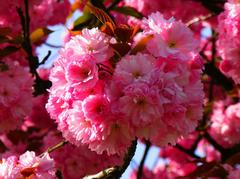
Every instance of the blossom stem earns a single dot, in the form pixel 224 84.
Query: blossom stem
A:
pixel 59 145
pixel 55 147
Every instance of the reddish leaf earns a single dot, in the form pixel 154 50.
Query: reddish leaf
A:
pixel 107 28
pixel 27 172
pixel 121 48
pixel 102 16
pixel 141 45
pixel 124 33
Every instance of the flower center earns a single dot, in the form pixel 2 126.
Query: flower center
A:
pixel 171 44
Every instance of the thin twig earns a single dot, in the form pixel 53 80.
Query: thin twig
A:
pixel 52 46
pixel 59 145
pixel 55 147
pixel 189 152
pixel 45 58
pixel 199 19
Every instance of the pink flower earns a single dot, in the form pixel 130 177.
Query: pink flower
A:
pixel 8 168
pixel 140 105
pixel 180 9
pixel 173 37
pixel 229 41
pixel 90 42
pixel 111 142
pixel 225 124
pixel 96 108
pixel 100 135
pixel 39 116
pixel 82 130
pixel 82 72
pixel 15 94
pixel 41 167
pixel 133 67
pixel 44 12
pixel 28 165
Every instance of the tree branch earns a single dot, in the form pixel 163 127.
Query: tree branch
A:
pixel 214 143
pixel 189 152
pixel 116 172
pixel 40 85
pixel 140 168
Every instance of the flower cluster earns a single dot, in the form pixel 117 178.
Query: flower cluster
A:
pixel 226 124
pixel 15 94
pixel 106 105
pixel 180 9
pixel 28 165
pixel 42 12
pixel 229 41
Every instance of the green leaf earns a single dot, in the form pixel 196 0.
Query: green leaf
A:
pixel 141 45
pixel 130 11
pixel 82 19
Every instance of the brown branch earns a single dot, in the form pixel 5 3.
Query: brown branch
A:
pixel 40 85
pixel 116 172
pixel 214 143
pixel 189 152
pixel 140 168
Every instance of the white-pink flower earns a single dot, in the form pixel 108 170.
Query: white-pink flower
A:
pixel 28 165
pixel 140 104
pixel 133 67
pixel 91 42
pixel 174 39
pixel 8 169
